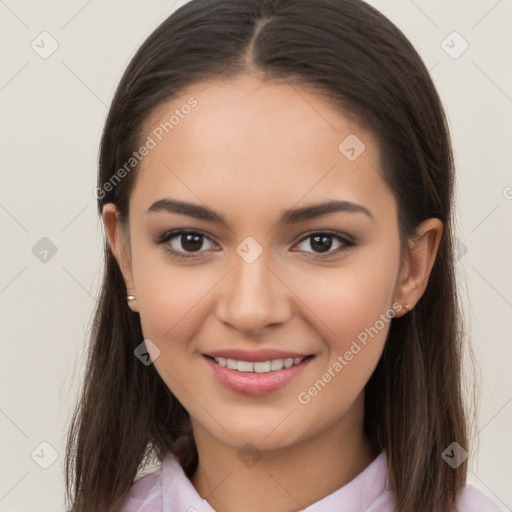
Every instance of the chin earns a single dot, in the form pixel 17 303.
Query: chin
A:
pixel 262 431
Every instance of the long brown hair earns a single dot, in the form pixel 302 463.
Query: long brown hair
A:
pixel 352 55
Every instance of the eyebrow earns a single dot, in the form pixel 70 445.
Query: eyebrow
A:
pixel 288 217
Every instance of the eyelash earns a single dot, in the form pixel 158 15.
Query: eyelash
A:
pixel 169 235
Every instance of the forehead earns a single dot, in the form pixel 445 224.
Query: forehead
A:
pixel 246 140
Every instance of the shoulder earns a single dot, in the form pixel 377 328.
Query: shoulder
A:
pixel 473 500
pixel 145 494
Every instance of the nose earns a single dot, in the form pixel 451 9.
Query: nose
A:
pixel 253 297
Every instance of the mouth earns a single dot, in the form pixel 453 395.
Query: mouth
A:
pixel 256 377
pixel 272 365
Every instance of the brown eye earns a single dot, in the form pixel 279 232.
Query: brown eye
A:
pixel 190 242
pixel 322 243
pixel 184 244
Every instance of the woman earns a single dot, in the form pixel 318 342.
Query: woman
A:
pixel 265 367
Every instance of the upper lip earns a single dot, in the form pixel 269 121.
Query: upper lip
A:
pixel 259 355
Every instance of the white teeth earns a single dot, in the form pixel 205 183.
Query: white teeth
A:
pixel 245 366
pixel 231 363
pixel 258 367
pixel 262 367
pixel 276 364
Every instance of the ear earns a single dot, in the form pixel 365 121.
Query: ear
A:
pixel 119 245
pixel 418 263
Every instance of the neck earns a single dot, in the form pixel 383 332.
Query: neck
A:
pixel 280 479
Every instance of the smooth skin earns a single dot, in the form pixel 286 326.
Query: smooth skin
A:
pixel 248 151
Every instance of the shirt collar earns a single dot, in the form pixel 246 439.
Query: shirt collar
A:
pixel 367 489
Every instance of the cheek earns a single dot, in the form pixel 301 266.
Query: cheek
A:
pixel 173 312
pixel 173 306
pixel 354 320
pixel 351 308
pixel 171 298
pixel 347 300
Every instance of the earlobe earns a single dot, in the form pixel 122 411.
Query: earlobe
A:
pixel 419 262
pixel 118 245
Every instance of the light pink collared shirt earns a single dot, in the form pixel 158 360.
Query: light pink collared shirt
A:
pixel 169 490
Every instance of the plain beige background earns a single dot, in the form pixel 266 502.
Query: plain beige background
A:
pixel 52 112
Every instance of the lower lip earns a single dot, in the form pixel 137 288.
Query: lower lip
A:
pixel 252 383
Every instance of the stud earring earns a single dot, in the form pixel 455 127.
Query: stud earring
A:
pixel 405 306
pixel 131 304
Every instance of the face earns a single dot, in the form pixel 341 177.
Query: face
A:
pixel 248 284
